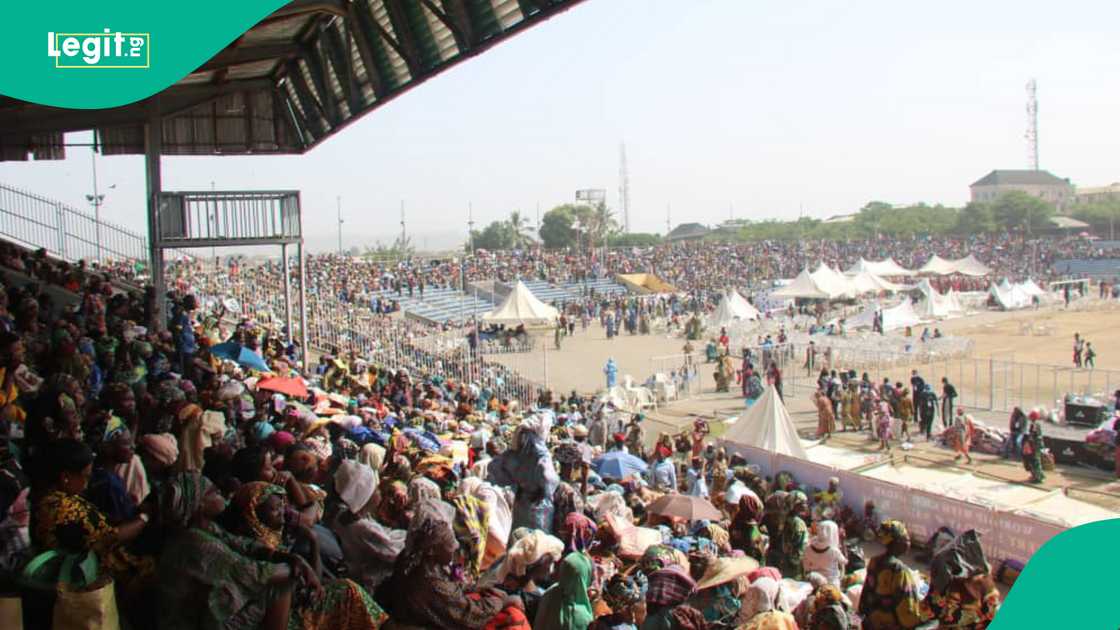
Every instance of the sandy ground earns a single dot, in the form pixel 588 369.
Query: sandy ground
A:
pixel 579 365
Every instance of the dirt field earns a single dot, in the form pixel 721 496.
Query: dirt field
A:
pixel 1008 367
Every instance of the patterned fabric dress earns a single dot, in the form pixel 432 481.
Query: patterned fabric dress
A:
pixel 890 595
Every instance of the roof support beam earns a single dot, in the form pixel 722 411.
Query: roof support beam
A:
pixel 453 25
pixel 235 56
pixel 405 43
pixel 338 53
pixel 299 8
pixel 314 117
pixel 315 67
pixel 361 29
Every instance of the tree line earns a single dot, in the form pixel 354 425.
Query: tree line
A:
pixel 582 226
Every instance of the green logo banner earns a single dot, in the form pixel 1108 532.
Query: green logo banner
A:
pixel 89 55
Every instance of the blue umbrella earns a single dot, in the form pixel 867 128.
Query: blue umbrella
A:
pixel 619 465
pixel 238 353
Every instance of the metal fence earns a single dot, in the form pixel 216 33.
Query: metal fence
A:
pixel 65 232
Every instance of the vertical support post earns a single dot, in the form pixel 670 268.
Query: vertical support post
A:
pixel 153 148
pixel 61 232
pixel 303 304
pixel 287 270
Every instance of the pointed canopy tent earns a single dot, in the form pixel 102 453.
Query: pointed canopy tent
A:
pixel 803 286
pixel 1009 297
pixel 833 282
pixel 898 316
pixel 937 266
pixel 1030 288
pixel 522 307
pixel 733 307
pixel 886 267
pixel 969 266
pixel 767 425
pixel 866 282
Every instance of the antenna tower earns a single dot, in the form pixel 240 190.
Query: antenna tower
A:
pixel 1032 124
pixel 624 188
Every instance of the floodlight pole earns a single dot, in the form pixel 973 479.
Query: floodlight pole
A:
pixel 97 199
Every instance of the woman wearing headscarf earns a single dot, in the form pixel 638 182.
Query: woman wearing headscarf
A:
pixel 423 591
pixel 565 500
pixel 529 567
pixel 746 533
pixel 795 535
pixel 65 520
pixel 829 610
pixel 565 605
pixel 890 592
pixel 1032 450
pixel 209 578
pixel 962 593
pixel 762 608
pixel 824 555
pixel 669 588
pixel 623 594
pixel 392 509
pixel 258 513
pixel 370 549
pixel 577 531
pixel 528 467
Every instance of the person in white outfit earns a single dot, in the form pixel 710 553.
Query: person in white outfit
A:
pixel 824 555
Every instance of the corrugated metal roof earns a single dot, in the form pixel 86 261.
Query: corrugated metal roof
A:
pixel 292 80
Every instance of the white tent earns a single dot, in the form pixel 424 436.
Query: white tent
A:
pixel 833 282
pixel 886 267
pixel 937 266
pixel 803 286
pixel 522 307
pixel 733 307
pixel 935 305
pixel 867 282
pixel 767 425
pixel 969 266
pixel 898 316
pixel 1030 288
pixel 1009 297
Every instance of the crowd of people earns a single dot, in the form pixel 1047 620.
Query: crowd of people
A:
pixel 216 484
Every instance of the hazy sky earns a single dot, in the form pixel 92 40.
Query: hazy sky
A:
pixel 765 107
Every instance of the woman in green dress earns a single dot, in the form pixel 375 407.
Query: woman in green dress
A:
pixel 1032 452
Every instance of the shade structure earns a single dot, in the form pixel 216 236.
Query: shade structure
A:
pixel 733 307
pixel 804 287
pixel 967 266
pixel 887 267
pixel 833 282
pixel 619 465
pixel 1009 296
pixel 233 351
pixel 522 307
pixel 866 282
pixel 767 425
pixel 685 506
pixel 294 387
pixel 895 317
pixel 934 305
pixel 645 283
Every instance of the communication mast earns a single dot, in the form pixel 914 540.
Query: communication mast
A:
pixel 624 188
pixel 1032 124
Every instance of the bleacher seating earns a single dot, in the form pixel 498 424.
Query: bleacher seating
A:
pixel 602 286
pixel 1093 268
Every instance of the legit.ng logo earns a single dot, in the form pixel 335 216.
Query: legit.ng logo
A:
pixel 106 50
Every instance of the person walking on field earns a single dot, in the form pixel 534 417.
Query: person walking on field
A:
pixel 1090 355
pixel 927 409
pixel 962 435
pixel 948 397
pixel 1078 349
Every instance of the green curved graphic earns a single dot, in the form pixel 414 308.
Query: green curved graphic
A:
pixel 181 36
pixel 1069 583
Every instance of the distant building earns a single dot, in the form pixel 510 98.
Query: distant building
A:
pixel 1042 184
pixel 1097 194
pixel 687 232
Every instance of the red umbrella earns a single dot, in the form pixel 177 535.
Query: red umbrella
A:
pixel 293 387
pixel 685 506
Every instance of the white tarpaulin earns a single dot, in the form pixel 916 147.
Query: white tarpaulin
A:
pixel 898 316
pixel 803 286
pixel 833 282
pixel 865 282
pixel 886 268
pixel 1010 297
pixel 733 307
pixel 522 307
pixel 1030 288
pixel 768 426
pixel 967 266
pixel 934 305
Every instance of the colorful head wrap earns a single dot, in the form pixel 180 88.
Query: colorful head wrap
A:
pixel 181 497
pixel 669 586
pixel 891 531
pixel 248 498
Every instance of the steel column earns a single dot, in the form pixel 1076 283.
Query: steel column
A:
pixel 303 304
pixel 287 293
pixel 153 147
